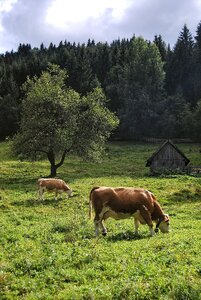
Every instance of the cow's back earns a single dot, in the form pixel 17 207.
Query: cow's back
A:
pixel 52 183
pixel 124 200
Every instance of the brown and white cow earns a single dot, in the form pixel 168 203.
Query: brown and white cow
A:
pixel 122 203
pixel 53 185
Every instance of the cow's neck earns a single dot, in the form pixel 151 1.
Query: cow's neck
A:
pixel 157 213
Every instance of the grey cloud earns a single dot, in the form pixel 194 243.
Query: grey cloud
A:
pixel 25 23
pixel 160 17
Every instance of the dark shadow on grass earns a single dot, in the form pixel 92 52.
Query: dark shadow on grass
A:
pixel 18 180
pixel 36 202
pixel 19 183
pixel 126 236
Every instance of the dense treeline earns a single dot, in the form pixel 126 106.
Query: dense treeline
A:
pixel 154 90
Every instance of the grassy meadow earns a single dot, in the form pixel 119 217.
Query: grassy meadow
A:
pixel 48 249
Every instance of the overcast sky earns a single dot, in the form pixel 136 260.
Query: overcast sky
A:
pixel 44 21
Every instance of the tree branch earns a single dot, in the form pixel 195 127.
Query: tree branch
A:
pixel 63 157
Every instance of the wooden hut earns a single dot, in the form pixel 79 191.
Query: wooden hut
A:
pixel 167 158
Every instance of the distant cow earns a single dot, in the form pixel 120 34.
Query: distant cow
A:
pixel 122 203
pixel 52 185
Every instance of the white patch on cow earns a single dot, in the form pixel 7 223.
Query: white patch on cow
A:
pixel 116 215
pixel 107 212
pixel 104 210
pixel 137 215
pixel 144 207
pixel 136 223
pixel 119 215
pixel 69 193
pixel 164 227
pixel 145 193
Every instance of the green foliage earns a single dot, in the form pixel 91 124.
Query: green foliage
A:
pixel 161 45
pixel 141 90
pixel 95 124
pixel 48 249
pixel 48 114
pixel 176 116
pixel 181 71
pixel 9 114
pixel 137 76
pixel 196 122
pixel 56 120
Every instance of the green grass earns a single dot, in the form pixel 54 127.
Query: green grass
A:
pixel 48 249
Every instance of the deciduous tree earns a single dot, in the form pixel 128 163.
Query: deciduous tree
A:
pixel 56 120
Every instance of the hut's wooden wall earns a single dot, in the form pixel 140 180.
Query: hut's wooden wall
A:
pixel 168 158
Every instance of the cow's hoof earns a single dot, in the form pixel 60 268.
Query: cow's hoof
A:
pixel 104 233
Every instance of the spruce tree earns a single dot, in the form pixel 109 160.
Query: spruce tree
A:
pixel 181 71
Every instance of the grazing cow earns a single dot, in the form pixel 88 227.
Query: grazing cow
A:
pixel 121 203
pixel 53 185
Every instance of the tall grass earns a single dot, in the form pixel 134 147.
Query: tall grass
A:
pixel 48 249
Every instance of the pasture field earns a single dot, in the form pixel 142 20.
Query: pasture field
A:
pixel 48 249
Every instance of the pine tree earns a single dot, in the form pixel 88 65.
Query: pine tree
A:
pixel 161 47
pixel 140 90
pixel 181 71
pixel 197 64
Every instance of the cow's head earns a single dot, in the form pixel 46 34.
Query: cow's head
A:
pixel 69 193
pixel 164 224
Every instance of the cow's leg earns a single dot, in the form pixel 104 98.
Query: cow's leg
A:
pixel 136 223
pixel 96 224
pixel 147 217
pixel 41 193
pixel 98 216
pixel 103 228
pixel 104 217
pixel 56 193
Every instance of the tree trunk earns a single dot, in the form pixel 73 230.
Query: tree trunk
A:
pixel 54 166
pixel 53 170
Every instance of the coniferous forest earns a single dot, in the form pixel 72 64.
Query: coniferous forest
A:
pixel 154 90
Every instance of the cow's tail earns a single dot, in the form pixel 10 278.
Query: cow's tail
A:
pixel 90 202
